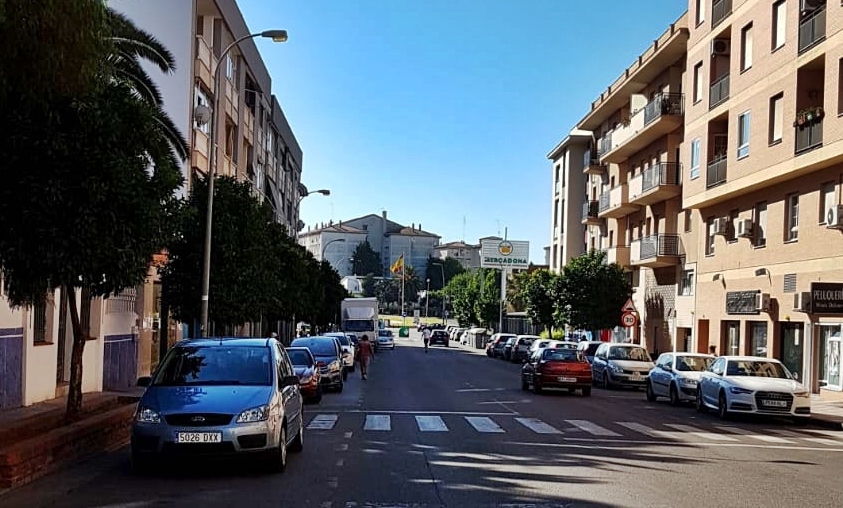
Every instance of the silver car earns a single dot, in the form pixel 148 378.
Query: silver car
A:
pixel 220 397
pixel 676 376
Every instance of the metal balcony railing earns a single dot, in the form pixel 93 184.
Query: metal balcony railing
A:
pixel 716 171
pixel 665 173
pixel 605 201
pixel 809 137
pixel 664 104
pixel 812 29
pixel 718 92
pixel 605 144
pixel 659 245
pixel 590 209
pixel 720 9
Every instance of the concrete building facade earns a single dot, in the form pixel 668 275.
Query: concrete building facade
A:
pixel 569 227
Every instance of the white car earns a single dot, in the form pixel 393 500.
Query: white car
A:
pixel 347 347
pixel 676 376
pixel 386 339
pixel 752 384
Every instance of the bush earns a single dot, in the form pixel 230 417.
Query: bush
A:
pixel 557 335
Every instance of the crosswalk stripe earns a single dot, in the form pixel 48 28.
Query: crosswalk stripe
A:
pixel 484 424
pixel 688 429
pixel 538 426
pixel 592 428
pixel 429 423
pixel 822 440
pixel 649 431
pixel 323 422
pixel 786 433
pixel 749 434
pixel 378 422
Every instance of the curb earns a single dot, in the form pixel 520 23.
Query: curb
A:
pixel 829 422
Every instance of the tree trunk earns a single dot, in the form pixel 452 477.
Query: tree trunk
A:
pixel 80 336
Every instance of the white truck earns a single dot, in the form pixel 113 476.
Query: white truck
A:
pixel 360 316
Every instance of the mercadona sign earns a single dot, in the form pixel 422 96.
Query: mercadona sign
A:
pixel 496 253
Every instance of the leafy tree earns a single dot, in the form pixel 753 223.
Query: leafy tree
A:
pixel 590 293
pixel 488 304
pixel 369 286
pixel 463 291
pixel 333 295
pixel 514 290
pixel 537 291
pixel 412 284
pixel 365 261
pixel 436 268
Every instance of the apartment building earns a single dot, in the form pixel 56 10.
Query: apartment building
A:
pixel 764 158
pixel 467 254
pixel 569 226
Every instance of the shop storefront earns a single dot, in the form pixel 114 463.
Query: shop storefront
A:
pixel 825 303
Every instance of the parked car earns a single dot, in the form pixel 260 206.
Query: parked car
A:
pixel 220 396
pixel 495 347
pixel 588 348
pixel 348 347
pixel 329 359
pixel 439 337
pixel 621 364
pixel 521 347
pixel 309 376
pixel 386 339
pixel 557 367
pixel 676 376
pixel 755 385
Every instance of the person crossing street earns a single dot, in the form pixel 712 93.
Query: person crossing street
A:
pixel 364 354
pixel 426 337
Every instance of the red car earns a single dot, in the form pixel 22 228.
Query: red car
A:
pixel 557 367
pixel 308 372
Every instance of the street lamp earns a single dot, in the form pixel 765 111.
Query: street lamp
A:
pixel 442 270
pixel 324 192
pixel 426 298
pixel 276 36
pixel 325 247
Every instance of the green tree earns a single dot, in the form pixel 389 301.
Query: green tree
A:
pixel 463 291
pixel 537 291
pixel 590 293
pixel 436 268
pixel 412 284
pixel 369 286
pixel 487 306
pixel 515 290
pixel 365 261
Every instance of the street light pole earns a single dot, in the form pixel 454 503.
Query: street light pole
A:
pixel 324 192
pixel 441 266
pixel 276 36
pixel 325 247
pixel 427 299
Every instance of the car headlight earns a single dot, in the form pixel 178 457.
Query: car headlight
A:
pixel 255 414
pixel 146 415
pixel 737 390
pixel 801 394
pixel 615 368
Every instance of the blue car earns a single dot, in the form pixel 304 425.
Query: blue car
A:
pixel 220 397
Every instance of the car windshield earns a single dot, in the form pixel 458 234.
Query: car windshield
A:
pixel 385 333
pixel 565 354
pixel 343 340
pixel 637 354
pixel 757 368
pixel 300 357
pixel 215 365
pixel 319 347
pixel 693 363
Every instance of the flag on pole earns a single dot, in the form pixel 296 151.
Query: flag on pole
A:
pixel 398 265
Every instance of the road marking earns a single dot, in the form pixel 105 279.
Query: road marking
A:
pixel 649 431
pixel 750 434
pixel 431 424
pixel 634 444
pixel 822 440
pixel 538 426
pixel 377 422
pixel 326 504
pixel 348 435
pixel 687 429
pixel 343 447
pixel 471 390
pixel 323 422
pixel 459 413
pixel 592 428
pixel 340 462
pixel 333 482
pixel 484 424
pixel 785 433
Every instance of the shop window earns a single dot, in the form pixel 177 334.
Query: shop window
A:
pixel 829 356
pixel 758 339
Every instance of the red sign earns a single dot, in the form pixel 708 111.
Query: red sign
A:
pixel 629 320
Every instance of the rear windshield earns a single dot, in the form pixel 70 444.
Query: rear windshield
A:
pixel 300 357
pixel 439 333
pixel 591 349
pixel 693 363
pixel 319 347
pixel 215 365
pixel 561 355
pixel 638 354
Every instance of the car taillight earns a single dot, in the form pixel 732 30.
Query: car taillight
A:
pixel 321 364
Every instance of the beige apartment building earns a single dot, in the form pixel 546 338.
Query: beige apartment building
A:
pixel 764 158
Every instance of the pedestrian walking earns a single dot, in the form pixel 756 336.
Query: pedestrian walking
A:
pixel 426 337
pixel 365 352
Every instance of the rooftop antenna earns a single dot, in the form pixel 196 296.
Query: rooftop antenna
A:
pixel 505 232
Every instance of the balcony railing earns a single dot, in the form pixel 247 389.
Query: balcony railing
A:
pixel 658 245
pixel 720 9
pixel 605 201
pixel 665 173
pixel 589 160
pixel 812 29
pixel 809 137
pixel 664 104
pixel 716 171
pixel 605 144
pixel 718 92
pixel 590 209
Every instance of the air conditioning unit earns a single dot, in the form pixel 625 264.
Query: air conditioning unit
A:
pixel 834 217
pixel 720 225
pixel 744 228
pixel 808 6
pixel 762 301
pixel 802 301
pixel 720 47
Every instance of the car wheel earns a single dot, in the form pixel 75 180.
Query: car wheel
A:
pixel 537 386
pixel 674 395
pixel 701 408
pixel 651 396
pixel 606 383
pixel 344 374
pixel 586 391
pixel 722 407
pixel 298 442
pixel 524 385
pixel 278 457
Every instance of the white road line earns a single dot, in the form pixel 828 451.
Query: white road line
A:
pixel 688 429
pixel 829 433
pixel 340 462
pixel 471 390
pixel 343 447
pixel 323 422
pixel 786 433
pixel 484 424
pixel 431 424
pixel 538 426
pixel 649 431
pixel 377 422
pixel 348 435
pixel 750 434
pixel 459 413
pixel 592 428
pixel 822 440
pixel 333 482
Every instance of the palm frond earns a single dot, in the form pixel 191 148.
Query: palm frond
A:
pixel 141 44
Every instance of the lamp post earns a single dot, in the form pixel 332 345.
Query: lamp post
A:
pixel 441 266
pixel 325 247
pixel 426 298
pixel 276 36
pixel 324 192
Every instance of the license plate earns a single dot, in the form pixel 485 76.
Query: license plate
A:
pixel 198 437
pixel 774 403
pixel 636 376
pixel 567 379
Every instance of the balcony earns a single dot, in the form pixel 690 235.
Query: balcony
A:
pixel 604 144
pixel 655 184
pixel 248 125
pixel 615 203
pixel 720 10
pixel 201 150
pixel 812 30
pixel 227 167
pixel 715 173
pixel 661 116
pixel 204 63
pixel 618 254
pixel 590 211
pixel 655 251
pixel 719 92
pixel 809 136
pixel 592 166
pixel 232 100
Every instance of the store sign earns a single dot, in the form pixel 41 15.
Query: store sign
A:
pixel 508 254
pixel 741 302
pixel 827 297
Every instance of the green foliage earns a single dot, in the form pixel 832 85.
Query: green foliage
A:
pixel 412 284
pixel 514 290
pixel 556 334
pixel 463 291
pixel 488 304
pixel 436 268
pixel 537 289
pixel 591 293
pixel 365 261
pixel 369 287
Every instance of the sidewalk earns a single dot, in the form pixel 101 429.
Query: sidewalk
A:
pixel 827 413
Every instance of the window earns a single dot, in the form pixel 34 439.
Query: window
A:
pixel 826 200
pixel 746 47
pixel 689 220
pixel 709 235
pixel 200 98
pixel 695 158
pixel 840 88
pixel 698 83
pixel 760 228
pixel 700 12
pixel 733 225
pixel 776 118
pixel 743 134
pixel 686 283
pixel 779 23
pixel 758 338
pixel 231 68
pixel 791 233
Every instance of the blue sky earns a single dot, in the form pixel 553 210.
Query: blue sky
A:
pixel 440 110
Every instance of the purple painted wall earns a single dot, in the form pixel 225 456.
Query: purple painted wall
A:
pixel 120 362
pixel 11 367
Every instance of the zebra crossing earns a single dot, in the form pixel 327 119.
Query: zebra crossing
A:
pixel 375 423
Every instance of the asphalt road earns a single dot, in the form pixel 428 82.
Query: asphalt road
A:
pixel 452 428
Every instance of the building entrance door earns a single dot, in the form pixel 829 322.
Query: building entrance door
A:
pixel 792 347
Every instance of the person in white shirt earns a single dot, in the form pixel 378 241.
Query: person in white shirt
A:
pixel 426 337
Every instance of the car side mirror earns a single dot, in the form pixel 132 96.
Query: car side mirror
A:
pixel 144 381
pixel 290 381
pixel 796 376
